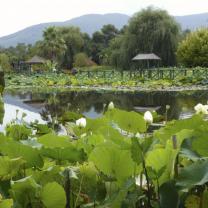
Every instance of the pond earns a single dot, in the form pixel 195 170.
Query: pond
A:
pixel 44 106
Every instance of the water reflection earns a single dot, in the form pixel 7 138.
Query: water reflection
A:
pixel 44 106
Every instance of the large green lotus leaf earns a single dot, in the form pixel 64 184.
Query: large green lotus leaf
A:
pixel 173 127
pixel 169 197
pixel 128 121
pixel 113 161
pixel 71 154
pixel 15 149
pixel 95 139
pixel 114 136
pixel 54 141
pixel 159 158
pixel 25 192
pixel 9 167
pixel 200 143
pixel 6 203
pixel 53 196
pixel 193 175
pixel 43 177
pixel 92 126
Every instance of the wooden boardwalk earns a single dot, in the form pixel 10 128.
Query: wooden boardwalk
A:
pixel 154 74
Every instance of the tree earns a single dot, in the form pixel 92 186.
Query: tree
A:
pixel 53 45
pixel 109 32
pixel 193 51
pixel 101 40
pixel 97 46
pixel 74 43
pixel 149 31
pixel 87 46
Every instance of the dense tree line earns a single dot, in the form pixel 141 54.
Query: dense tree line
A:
pixel 149 31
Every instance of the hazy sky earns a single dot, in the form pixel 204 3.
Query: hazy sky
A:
pixel 18 14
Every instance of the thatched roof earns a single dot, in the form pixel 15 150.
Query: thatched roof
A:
pixel 149 56
pixel 35 60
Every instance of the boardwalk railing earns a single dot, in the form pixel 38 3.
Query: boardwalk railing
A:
pixel 154 74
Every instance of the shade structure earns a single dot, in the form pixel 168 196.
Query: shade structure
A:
pixel 146 56
pixel 35 60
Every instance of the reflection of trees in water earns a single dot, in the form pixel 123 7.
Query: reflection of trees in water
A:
pixel 83 101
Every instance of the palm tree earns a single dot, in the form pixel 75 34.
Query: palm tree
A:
pixel 53 44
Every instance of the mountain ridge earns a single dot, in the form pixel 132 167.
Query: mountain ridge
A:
pixel 90 23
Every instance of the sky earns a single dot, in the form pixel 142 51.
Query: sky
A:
pixel 18 14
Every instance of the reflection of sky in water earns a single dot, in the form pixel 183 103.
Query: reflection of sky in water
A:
pixel 92 113
pixel 90 103
pixel 10 114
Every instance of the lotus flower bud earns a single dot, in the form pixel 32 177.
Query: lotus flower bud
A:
pixel 167 107
pixel 111 106
pixel 81 122
pixel 148 117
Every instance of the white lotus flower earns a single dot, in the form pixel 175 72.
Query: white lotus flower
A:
pixel 201 109
pixel 148 117
pixel 81 122
pixel 138 135
pixel 111 106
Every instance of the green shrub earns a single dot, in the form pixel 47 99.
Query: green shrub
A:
pixel 193 51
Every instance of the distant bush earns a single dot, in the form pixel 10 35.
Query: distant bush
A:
pixel 193 51
pixel 81 60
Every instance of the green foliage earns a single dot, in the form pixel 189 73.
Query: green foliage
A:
pixel 81 60
pixel 193 50
pixel 128 121
pixel 53 196
pixel 53 45
pixel 1 108
pixel 151 30
pixel 7 203
pixel 18 132
pixel 193 175
pixel 9 167
pixel 113 161
pixel 60 148
pixel 4 62
pixel 105 165
pixel 168 195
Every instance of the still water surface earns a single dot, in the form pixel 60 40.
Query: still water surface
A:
pixel 41 106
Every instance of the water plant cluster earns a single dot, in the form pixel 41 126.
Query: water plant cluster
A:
pixel 112 161
pixel 15 80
